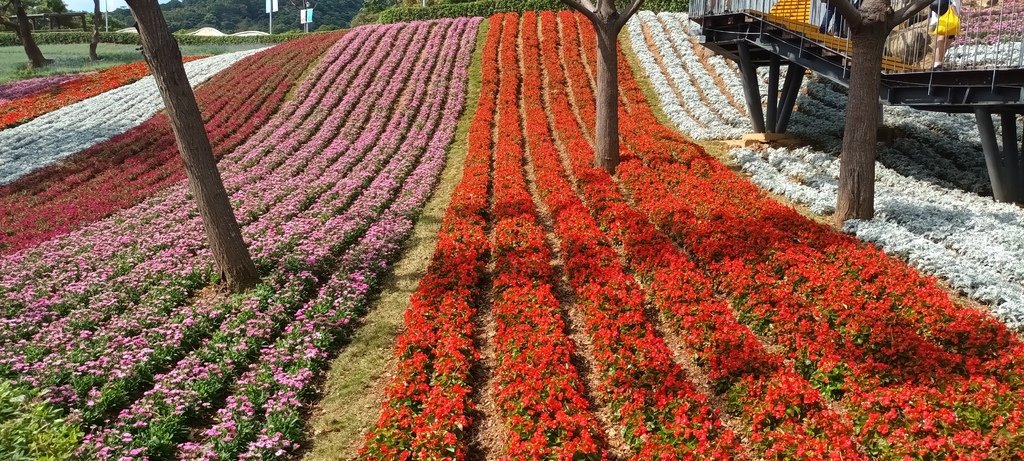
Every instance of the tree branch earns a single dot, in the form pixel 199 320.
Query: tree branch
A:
pixel 583 6
pixel 849 12
pixel 623 19
pixel 908 12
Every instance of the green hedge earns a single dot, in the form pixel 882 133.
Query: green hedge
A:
pixel 54 38
pixel 487 8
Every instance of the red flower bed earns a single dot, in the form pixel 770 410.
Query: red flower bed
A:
pixel 126 169
pixel 814 345
pixel 663 414
pixel 537 388
pixel 786 416
pixel 21 110
pixel 919 375
pixel 425 414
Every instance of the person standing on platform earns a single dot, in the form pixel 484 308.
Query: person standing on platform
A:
pixel 945 25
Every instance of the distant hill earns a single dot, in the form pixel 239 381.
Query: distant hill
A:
pixel 231 16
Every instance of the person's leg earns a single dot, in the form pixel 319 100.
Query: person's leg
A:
pixel 830 17
pixel 941 43
pixel 829 11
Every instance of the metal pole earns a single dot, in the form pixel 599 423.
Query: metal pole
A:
pixel 771 119
pixel 106 12
pixel 1011 159
pixel 993 156
pixel 750 88
pixel 790 91
pixel 271 30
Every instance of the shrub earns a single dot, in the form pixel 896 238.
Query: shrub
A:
pixel 487 8
pixel 33 430
pixel 65 38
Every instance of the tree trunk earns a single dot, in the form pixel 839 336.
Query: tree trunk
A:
pixel 163 56
pixel 606 134
pixel 24 32
pixel 856 198
pixel 95 31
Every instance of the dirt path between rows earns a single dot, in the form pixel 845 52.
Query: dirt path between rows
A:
pixel 354 388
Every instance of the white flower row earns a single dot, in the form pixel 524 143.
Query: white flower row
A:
pixel 683 74
pixel 1004 54
pixel 670 104
pixel 68 130
pixel 726 71
pixel 720 104
pixel 971 241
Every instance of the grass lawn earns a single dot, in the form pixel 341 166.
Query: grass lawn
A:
pixel 75 58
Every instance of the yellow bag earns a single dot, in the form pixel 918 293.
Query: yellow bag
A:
pixel 949 24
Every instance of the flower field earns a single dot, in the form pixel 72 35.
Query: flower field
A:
pixel 22 88
pixel 675 310
pixel 71 128
pixel 650 325
pixel 923 212
pixel 133 165
pixel 114 320
pixel 25 101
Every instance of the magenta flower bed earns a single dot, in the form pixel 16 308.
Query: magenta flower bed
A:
pixel 14 90
pixel 110 319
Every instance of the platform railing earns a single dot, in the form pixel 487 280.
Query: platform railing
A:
pixel 991 34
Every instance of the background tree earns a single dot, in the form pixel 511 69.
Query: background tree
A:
pixel 95 40
pixel 50 6
pixel 869 27
pixel 607 22
pixel 163 56
pixel 237 15
pixel 23 29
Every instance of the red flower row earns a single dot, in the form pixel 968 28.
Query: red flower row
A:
pixel 787 417
pixel 663 413
pixel 23 109
pixel 919 375
pixel 538 390
pixel 126 169
pixel 426 411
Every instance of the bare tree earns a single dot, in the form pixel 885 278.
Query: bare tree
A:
pixel 95 40
pixel 23 29
pixel 163 56
pixel 869 27
pixel 607 22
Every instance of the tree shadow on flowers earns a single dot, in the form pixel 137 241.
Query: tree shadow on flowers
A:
pixel 937 148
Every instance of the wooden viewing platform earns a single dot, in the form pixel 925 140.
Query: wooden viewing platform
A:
pixel 767 33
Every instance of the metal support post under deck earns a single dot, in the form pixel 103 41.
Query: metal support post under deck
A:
pixel 790 91
pixel 751 89
pixel 771 121
pixel 1005 170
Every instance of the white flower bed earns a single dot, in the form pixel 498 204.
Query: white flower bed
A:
pixel 669 102
pixel 68 130
pixel 1005 54
pixel 971 241
pixel 682 68
pixel 921 214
